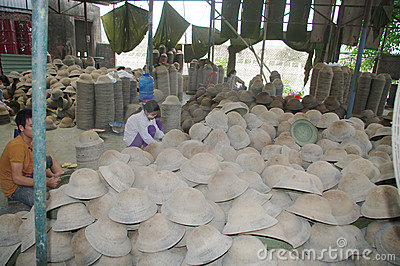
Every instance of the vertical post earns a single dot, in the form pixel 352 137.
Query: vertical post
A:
pixel 328 45
pixel 264 37
pixel 361 45
pixel 150 40
pixel 376 66
pixel 210 29
pixel 213 32
pixel 86 27
pixel 39 60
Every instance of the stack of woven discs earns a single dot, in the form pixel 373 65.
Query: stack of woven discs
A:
pixel 171 113
pixel 324 82
pixel 385 92
pixel 118 100
pixel 85 102
pixel 375 93
pixel 162 79
pixel 173 80
pixel 221 74
pixel 180 86
pixel 361 98
pixel 314 78
pixel 347 76
pixel 193 68
pixel 337 85
pixel 133 92
pixel 126 91
pixel 104 94
pixel 88 149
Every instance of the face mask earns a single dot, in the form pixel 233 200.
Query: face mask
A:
pixel 149 116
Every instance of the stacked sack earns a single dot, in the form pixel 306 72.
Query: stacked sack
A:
pixel 203 72
pixel 225 193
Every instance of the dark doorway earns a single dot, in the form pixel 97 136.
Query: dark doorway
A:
pixel 80 38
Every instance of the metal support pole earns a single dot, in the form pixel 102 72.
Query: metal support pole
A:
pixel 361 45
pixel 264 36
pixel 210 37
pixel 150 40
pixel 86 27
pixel 39 60
pixel 376 66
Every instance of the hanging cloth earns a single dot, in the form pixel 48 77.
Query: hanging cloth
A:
pixel 171 27
pixel 251 18
pixel 230 11
pixel 125 27
pixel 297 28
pixel 321 20
pixel 276 11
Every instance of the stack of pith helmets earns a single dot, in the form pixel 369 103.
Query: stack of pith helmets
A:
pixel 238 189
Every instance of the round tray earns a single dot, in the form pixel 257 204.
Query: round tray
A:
pixel 304 132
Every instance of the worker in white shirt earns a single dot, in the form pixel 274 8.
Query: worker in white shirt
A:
pixel 142 128
pixel 232 79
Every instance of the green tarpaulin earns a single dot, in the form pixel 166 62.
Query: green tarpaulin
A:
pixel 297 27
pixel 125 27
pixel 276 10
pixel 230 11
pixel 171 27
pixel 251 18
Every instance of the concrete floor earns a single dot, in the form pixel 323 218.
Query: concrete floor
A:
pixel 60 143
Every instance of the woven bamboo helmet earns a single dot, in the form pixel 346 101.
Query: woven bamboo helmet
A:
pixel 217 120
pixel 251 162
pixel 9 229
pixel 334 154
pixel 132 205
pixel 254 180
pixel 138 155
pixel 313 207
pixel 170 159
pixel 269 117
pixel 301 181
pixel 311 153
pixel 362 166
pixel 381 132
pixel 238 107
pixel 252 121
pixel 247 216
pixel 88 138
pixel 118 175
pixel 187 206
pixel 199 131
pixel 309 101
pixel 50 125
pixel 381 202
pixel 285 117
pixel 327 119
pixel 217 136
pixel 314 116
pixel 110 156
pixel 84 253
pixel 234 118
pixel 158 234
pixel 66 122
pixel 324 237
pixel 173 138
pixel 258 109
pixel 59 247
pixel 225 185
pixel 58 198
pixel 200 168
pixel 339 131
pixel 356 185
pixel 290 228
pixel 206 244
pixel 344 209
pixel 100 207
pixel 162 184
pixel 238 137
pixel 219 219
pixel 273 173
pixel 328 174
pixel 245 250
pixel 71 217
pixel 85 183
pixel 387 241
pixel 166 257
pixel 108 237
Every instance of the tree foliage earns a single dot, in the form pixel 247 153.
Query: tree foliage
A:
pixel 392 45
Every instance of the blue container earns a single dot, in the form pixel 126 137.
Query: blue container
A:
pixel 146 87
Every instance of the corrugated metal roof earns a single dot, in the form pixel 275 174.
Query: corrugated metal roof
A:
pixel 23 6
pixel 15 62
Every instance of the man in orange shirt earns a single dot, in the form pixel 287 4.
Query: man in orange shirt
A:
pixel 16 164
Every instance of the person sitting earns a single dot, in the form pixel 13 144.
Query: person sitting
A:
pixel 16 164
pixel 142 128
pixel 232 79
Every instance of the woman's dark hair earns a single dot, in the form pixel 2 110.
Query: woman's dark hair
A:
pixel 151 106
pixel 231 73
pixel 22 117
pixel 5 80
